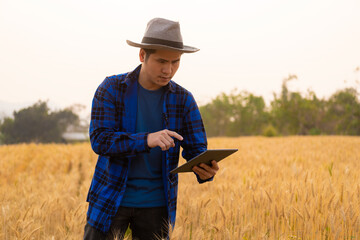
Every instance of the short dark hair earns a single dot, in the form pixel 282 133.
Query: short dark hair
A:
pixel 148 52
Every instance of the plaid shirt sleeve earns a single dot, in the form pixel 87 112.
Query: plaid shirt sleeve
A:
pixel 107 135
pixel 194 133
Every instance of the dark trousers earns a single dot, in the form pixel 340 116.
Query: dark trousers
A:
pixel 145 224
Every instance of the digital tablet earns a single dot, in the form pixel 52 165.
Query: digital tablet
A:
pixel 205 157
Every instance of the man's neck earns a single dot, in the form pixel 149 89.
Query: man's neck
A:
pixel 146 83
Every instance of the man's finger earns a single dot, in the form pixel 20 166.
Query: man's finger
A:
pixel 175 135
pixel 203 174
pixel 162 145
pixel 169 139
pixel 166 142
pixel 214 166
pixel 208 169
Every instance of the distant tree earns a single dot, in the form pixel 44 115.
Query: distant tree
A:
pixel 290 113
pixel 312 114
pixel 270 131
pixel 37 124
pixel 343 113
pixel 217 115
pixel 249 114
pixel 282 109
pixel 294 114
pixel 234 114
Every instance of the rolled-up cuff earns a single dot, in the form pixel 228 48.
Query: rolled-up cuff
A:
pixel 203 181
pixel 141 142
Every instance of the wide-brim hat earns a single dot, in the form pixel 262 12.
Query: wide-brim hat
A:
pixel 161 33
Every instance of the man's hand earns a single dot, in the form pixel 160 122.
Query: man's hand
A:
pixel 205 171
pixel 163 139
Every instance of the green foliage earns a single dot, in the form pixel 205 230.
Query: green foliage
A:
pixel 343 115
pixel 314 131
pixel 290 113
pixel 237 114
pixel 37 124
pixel 294 114
pixel 1 137
pixel 270 131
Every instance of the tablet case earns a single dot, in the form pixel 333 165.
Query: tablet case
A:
pixel 204 157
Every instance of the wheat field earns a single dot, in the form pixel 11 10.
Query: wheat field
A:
pixel 272 188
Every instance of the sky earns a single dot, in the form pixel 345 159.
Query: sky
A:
pixel 60 51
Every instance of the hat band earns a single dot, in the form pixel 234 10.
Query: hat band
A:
pixel 173 44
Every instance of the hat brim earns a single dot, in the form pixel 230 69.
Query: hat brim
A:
pixel 185 49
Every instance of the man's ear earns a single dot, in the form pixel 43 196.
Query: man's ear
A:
pixel 142 54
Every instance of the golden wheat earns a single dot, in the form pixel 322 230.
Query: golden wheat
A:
pixel 272 188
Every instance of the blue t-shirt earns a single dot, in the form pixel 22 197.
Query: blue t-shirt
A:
pixel 144 187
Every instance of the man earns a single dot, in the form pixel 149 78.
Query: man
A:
pixel 139 120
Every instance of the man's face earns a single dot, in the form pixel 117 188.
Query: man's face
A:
pixel 159 68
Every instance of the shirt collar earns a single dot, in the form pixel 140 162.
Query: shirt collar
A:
pixel 134 76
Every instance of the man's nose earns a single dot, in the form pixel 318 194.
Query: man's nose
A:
pixel 167 69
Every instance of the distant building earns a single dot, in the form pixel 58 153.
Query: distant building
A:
pixel 76 134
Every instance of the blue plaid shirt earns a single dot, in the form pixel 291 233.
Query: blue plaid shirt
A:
pixel 114 139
